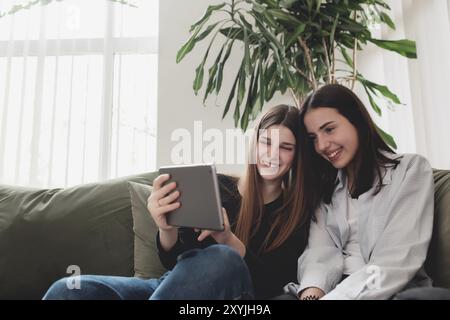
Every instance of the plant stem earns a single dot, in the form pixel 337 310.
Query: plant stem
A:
pixel 355 47
pixel 308 59
pixel 303 74
pixel 327 60
pixel 333 63
pixel 354 63
pixel 297 103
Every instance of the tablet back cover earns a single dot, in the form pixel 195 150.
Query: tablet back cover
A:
pixel 199 197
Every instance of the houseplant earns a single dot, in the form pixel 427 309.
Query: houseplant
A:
pixel 290 46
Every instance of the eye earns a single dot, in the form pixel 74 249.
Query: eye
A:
pixel 329 129
pixel 287 148
pixel 312 137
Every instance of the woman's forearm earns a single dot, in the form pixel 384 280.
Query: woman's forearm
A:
pixel 237 245
pixel 168 238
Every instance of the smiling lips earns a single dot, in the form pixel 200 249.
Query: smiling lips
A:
pixel 334 155
pixel 270 164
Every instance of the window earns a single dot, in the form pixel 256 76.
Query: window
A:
pixel 78 91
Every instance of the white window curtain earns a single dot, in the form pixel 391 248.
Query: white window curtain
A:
pixel 77 91
pixel 421 125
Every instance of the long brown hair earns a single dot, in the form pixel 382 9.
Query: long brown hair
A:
pixel 294 212
pixel 370 157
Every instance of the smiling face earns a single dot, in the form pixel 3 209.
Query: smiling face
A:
pixel 275 152
pixel 334 137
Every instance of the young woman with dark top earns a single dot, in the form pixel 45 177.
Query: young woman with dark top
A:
pixel 266 229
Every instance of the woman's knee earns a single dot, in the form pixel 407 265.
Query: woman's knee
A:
pixel 58 290
pixel 215 272
pixel 225 255
pixel 84 287
pixel 220 260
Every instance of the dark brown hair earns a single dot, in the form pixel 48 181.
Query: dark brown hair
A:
pixel 294 211
pixel 370 157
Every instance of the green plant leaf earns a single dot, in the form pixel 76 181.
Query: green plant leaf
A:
pixel 253 87
pixel 293 37
pixel 212 73
pixel 198 81
pixel 236 114
pixel 211 81
pixel 283 86
pixel 404 47
pixel 271 38
pixel 245 22
pixel 383 4
pixel 270 3
pixel 233 33
pixel 283 16
pixel 222 65
pixel 188 46
pixel 384 90
pixel 230 96
pixel 207 14
pixel 277 58
pixel 318 5
pixel 205 33
pixel 287 3
pixel 270 20
pixel 274 85
pixel 258 8
pixel 333 29
pixel 247 52
pixel 353 26
pixel 256 107
pixel 271 70
pixel 386 19
pixel 374 105
pixel 309 3
pixel 262 86
pixel 245 118
pixel 387 138
pixel 346 40
pixel 347 58
pixel 241 86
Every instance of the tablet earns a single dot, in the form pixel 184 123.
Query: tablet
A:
pixel 199 197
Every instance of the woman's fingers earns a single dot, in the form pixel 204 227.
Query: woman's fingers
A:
pixel 159 181
pixel 168 208
pixel 156 198
pixel 160 193
pixel 204 234
pixel 169 199
pixel 216 234
pixel 226 222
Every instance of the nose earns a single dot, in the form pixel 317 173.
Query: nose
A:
pixel 271 153
pixel 322 143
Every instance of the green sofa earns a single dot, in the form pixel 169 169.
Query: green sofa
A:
pixel 44 231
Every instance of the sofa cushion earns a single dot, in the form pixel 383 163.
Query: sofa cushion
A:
pixel 146 261
pixel 44 231
pixel 438 260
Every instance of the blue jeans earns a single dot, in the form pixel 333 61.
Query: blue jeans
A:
pixel 216 272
